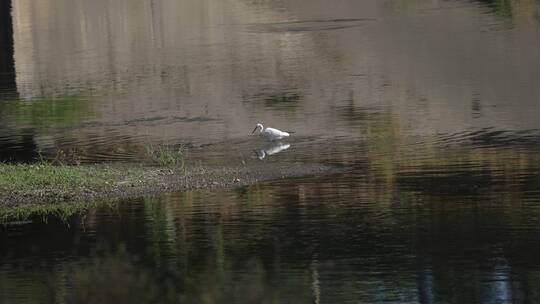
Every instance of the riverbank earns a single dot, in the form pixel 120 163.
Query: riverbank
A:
pixel 44 185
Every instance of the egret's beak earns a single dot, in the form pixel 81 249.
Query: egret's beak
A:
pixel 254 130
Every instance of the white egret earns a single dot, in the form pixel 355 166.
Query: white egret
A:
pixel 270 134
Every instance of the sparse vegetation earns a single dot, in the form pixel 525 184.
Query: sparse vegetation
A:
pixel 62 211
pixel 55 175
pixel 166 156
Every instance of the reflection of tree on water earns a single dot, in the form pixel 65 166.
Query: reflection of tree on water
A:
pixel 22 121
pixel 502 8
pixel 22 149
pixel 23 146
pixel 276 99
pixel 7 64
pixel 202 253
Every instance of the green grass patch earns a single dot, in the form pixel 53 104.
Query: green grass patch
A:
pixel 63 211
pixel 45 175
pixel 55 188
pixel 43 178
pixel 166 156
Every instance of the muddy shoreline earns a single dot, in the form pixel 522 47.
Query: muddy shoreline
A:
pixel 157 180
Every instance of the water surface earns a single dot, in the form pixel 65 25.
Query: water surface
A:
pixel 430 106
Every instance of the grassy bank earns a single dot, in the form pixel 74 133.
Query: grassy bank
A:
pixel 44 188
pixel 55 181
pixel 46 176
pixel 45 182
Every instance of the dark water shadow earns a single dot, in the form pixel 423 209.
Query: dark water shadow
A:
pixel 501 8
pixel 19 149
pixel 307 25
pixel 447 182
pixel 493 137
pixel 8 86
pixel 275 99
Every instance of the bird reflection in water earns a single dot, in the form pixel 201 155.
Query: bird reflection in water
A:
pixel 271 148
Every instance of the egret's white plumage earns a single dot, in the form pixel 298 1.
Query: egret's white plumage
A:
pixel 269 134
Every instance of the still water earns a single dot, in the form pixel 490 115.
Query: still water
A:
pixel 431 107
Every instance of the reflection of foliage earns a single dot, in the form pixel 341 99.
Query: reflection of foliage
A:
pixel 383 134
pixel 111 279
pixel 287 99
pixel 252 195
pixel 45 112
pixel 281 97
pixel 161 229
pixel 120 277
pixel 447 181
pixel 502 8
